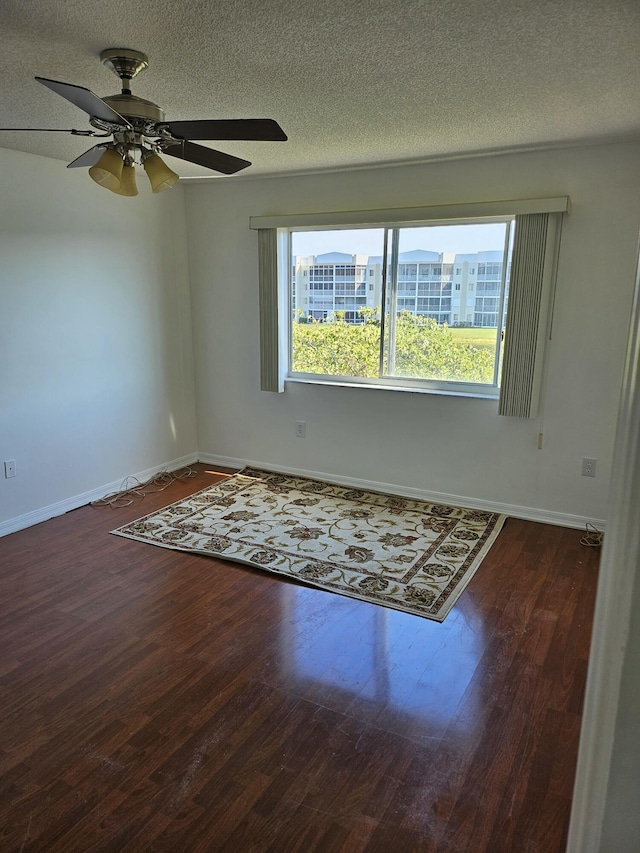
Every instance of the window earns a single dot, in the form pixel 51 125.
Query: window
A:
pixel 377 321
pixel 400 333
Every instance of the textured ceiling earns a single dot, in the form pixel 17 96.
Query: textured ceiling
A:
pixel 351 81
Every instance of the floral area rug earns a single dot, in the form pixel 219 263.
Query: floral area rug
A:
pixel 402 553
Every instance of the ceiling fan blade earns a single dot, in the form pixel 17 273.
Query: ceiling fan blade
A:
pixel 85 99
pixel 89 158
pixel 207 157
pixel 253 129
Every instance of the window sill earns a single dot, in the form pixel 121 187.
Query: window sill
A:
pixel 491 393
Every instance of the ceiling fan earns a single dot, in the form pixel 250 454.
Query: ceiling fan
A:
pixel 140 133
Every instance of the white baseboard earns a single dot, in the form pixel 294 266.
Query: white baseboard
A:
pixel 36 516
pixel 559 519
pixel 528 513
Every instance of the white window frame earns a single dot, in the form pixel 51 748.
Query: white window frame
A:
pixel 390 382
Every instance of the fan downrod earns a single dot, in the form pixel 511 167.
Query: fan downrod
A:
pixel 127 63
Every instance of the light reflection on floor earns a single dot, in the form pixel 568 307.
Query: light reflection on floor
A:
pixel 391 668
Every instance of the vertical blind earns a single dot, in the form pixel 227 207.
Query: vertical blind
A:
pixel 270 372
pixel 531 280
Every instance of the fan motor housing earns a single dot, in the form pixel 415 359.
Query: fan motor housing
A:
pixel 132 107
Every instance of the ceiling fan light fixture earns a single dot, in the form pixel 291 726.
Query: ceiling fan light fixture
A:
pixel 107 172
pixel 161 177
pixel 128 182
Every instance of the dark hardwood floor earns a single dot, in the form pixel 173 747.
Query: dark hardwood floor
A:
pixel 156 701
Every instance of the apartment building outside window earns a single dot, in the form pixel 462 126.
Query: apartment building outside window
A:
pixel 424 289
pixel 335 285
pixel 487 299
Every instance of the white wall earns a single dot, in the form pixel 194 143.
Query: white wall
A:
pixel 96 374
pixel 439 444
pixel 95 346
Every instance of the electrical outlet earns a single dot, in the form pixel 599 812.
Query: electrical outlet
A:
pixel 588 467
pixel 301 429
pixel 9 468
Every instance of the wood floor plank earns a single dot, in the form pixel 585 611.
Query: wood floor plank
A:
pixel 157 701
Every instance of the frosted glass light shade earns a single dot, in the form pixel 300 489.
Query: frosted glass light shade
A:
pixel 161 177
pixel 128 181
pixel 108 170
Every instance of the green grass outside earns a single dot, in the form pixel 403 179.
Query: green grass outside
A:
pixel 476 337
